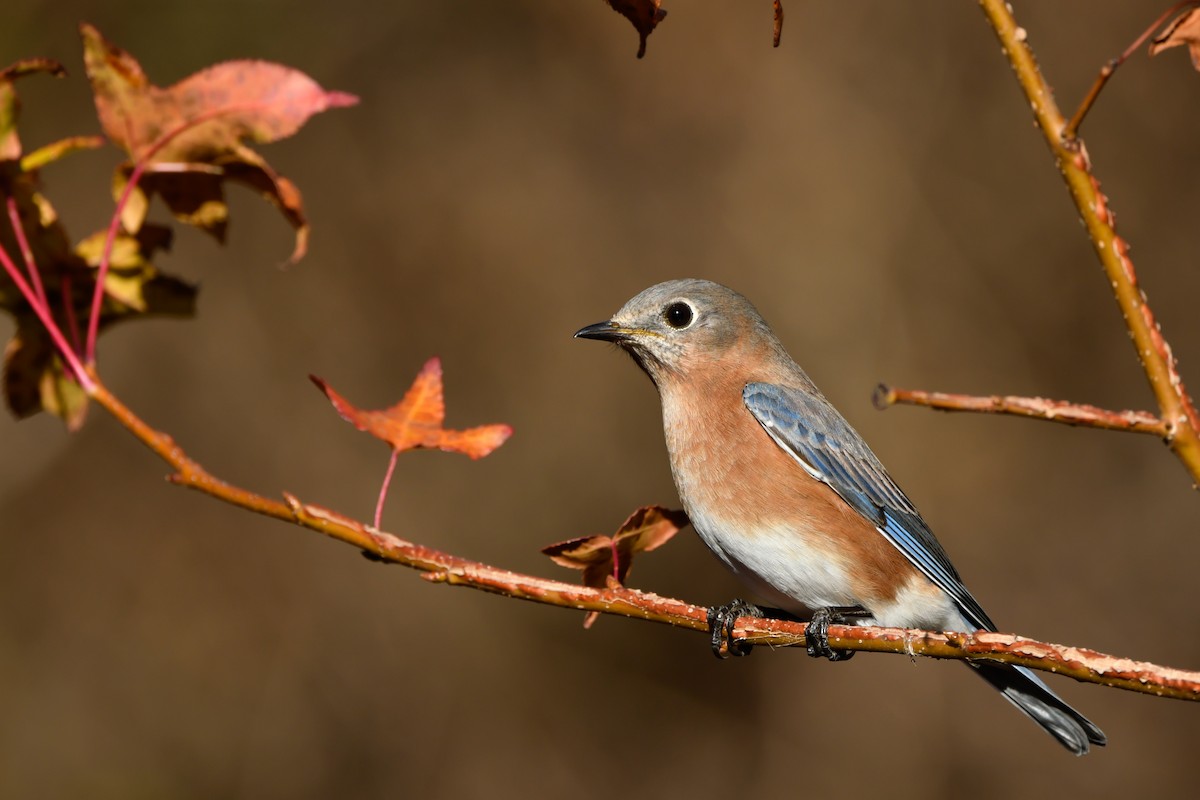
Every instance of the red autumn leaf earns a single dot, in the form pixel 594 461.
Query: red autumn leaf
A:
pixel 644 14
pixel 609 558
pixel 416 421
pixel 193 135
pixel 1183 30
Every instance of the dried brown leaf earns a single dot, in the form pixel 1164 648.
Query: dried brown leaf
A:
pixel 644 14
pixel 606 560
pixel 1183 30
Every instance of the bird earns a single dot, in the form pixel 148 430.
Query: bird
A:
pixel 788 495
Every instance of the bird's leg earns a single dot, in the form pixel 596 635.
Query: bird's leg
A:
pixel 816 635
pixel 721 621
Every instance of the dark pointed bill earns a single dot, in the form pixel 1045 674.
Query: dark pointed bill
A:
pixel 605 331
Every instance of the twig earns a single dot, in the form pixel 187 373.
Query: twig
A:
pixel 383 490
pixel 439 567
pixel 42 310
pixel 93 329
pixel 140 167
pixel 35 277
pixel 1034 407
pixel 1178 413
pixel 1069 133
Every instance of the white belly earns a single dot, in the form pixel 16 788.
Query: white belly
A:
pixel 783 566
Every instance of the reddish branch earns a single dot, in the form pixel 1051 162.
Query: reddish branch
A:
pixel 114 226
pixel 1035 407
pixel 35 277
pixel 41 307
pixel 439 567
pixel 383 490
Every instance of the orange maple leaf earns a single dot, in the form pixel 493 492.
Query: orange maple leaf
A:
pixel 608 559
pixel 416 421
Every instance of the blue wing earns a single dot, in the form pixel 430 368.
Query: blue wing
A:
pixel 812 431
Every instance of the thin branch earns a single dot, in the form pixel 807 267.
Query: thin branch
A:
pixel 439 567
pixel 114 225
pixel 1178 413
pixel 143 163
pixel 1034 407
pixel 42 310
pixel 1069 133
pixel 383 490
pixel 35 277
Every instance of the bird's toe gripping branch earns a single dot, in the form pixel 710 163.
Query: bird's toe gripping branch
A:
pixel 816 635
pixel 721 622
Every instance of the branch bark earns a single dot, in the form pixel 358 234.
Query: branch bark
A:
pixel 1033 407
pixel 1178 413
pixel 439 567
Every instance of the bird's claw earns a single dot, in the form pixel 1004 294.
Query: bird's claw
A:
pixel 816 635
pixel 721 622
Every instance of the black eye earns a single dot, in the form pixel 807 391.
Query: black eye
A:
pixel 678 314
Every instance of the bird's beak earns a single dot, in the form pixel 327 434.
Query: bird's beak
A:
pixel 605 331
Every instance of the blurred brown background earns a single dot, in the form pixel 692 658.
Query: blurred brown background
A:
pixel 875 186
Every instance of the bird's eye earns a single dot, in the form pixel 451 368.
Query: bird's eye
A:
pixel 678 314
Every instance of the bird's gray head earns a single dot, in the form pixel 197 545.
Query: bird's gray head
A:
pixel 684 325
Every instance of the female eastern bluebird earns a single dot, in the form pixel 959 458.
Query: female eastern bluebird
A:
pixel 789 496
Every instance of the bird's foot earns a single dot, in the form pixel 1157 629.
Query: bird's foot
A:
pixel 721 621
pixel 816 635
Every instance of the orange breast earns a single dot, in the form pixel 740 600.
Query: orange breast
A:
pixel 739 487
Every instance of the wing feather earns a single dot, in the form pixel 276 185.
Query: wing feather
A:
pixel 812 431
